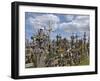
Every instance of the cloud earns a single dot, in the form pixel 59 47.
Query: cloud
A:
pixel 77 24
pixel 70 24
pixel 69 18
pixel 81 21
pixel 39 22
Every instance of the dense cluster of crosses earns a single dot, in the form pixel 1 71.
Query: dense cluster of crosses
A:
pixel 44 52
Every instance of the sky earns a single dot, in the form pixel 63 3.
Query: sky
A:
pixel 61 24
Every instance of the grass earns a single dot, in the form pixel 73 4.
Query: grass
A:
pixel 84 60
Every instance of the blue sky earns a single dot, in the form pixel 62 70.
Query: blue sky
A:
pixel 63 24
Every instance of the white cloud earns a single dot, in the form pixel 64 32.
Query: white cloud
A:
pixel 78 23
pixel 69 18
pixel 68 27
pixel 81 21
pixel 44 21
